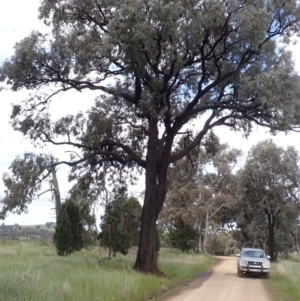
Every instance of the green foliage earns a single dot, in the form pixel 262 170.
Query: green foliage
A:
pixel 268 207
pixel 84 200
pixel 201 189
pixel 24 182
pixel 223 244
pixel 230 246
pixel 287 230
pixel 69 231
pixel 120 224
pixel 183 237
pixel 89 223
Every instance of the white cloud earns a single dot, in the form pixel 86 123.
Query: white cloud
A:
pixel 236 139
pixel 17 19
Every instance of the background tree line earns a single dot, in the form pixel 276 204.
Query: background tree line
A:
pixel 217 202
pixel 227 206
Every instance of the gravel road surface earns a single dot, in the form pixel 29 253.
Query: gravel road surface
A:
pixel 223 284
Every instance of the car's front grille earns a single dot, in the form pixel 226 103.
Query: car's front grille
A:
pixel 257 263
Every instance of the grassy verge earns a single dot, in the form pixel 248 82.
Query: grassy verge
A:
pixel 285 279
pixel 33 272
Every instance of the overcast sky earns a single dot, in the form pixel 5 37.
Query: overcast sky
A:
pixel 17 19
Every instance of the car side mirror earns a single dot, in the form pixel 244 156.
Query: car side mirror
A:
pixel 268 257
pixel 238 255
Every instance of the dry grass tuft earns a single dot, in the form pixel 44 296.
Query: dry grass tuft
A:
pixel 7 252
pixel 65 288
pixel 57 267
pixel 281 269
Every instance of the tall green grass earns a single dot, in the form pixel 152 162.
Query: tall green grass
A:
pixel 33 272
pixel 285 280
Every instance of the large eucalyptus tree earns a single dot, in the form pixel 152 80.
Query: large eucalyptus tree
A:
pixel 158 65
pixel 269 191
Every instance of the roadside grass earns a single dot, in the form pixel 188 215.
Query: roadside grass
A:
pixel 33 272
pixel 285 279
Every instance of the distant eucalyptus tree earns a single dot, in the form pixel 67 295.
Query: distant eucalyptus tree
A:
pixel 269 188
pixel 24 183
pixel 201 187
pixel 158 66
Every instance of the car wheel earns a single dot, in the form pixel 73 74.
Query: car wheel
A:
pixel 240 273
pixel 267 275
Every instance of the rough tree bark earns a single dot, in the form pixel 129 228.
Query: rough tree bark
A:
pixel 157 162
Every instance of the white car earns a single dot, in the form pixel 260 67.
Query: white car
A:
pixel 253 261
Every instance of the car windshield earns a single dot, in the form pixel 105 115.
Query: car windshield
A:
pixel 253 253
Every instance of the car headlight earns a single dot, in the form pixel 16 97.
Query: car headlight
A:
pixel 243 262
pixel 266 264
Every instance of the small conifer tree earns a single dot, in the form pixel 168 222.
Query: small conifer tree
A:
pixel 69 232
pixel 120 225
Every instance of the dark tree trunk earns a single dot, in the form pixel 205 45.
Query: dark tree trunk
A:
pixel 157 162
pixel 146 257
pixel 109 239
pixel 271 226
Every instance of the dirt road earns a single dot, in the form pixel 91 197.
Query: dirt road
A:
pixel 224 285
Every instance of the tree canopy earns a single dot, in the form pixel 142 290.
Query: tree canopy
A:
pixel 269 190
pixel 158 66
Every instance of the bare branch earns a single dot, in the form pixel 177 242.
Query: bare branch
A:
pixel 44 192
